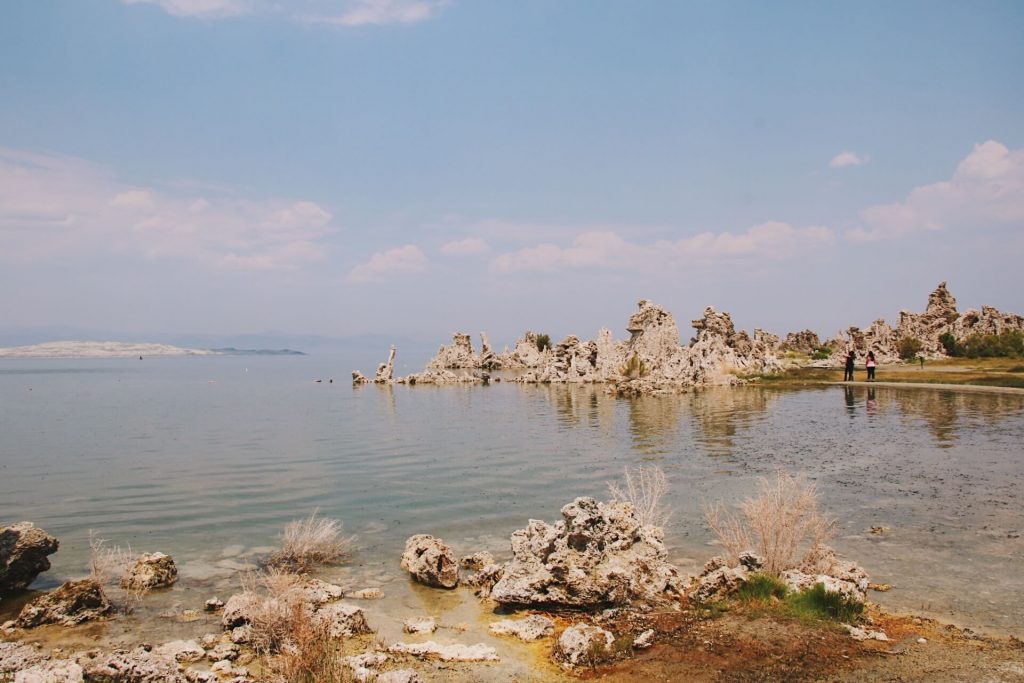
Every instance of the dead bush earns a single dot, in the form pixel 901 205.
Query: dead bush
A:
pixel 107 566
pixel 777 524
pixel 645 489
pixel 310 542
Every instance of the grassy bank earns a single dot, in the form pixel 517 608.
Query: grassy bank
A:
pixel 991 372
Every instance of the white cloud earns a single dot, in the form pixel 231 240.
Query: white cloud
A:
pixel 848 158
pixel 54 206
pixel 202 9
pixel 606 249
pixel 407 259
pixel 986 189
pixel 465 247
pixel 375 12
pixel 337 12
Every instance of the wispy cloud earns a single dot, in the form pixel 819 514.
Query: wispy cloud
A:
pixel 406 259
pixel 336 12
pixel 607 249
pixel 201 9
pixel 986 189
pixel 465 247
pixel 848 158
pixel 54 206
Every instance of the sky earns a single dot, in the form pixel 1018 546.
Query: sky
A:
pixel 417 167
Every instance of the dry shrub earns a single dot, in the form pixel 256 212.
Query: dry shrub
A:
pixel 307 543
pixel 276 596
pixel 107 565
pixel 781 520
pixel 645 489
pixel 296 647
pixel 310 655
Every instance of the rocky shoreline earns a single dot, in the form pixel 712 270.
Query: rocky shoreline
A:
pixel 652 360
pixel 593 590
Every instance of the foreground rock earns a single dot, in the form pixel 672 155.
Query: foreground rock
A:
pixel 16 657
pixel 132 666
pixel 430 561
pixel 533 627
pixel 151 570
pixel 23 555
pixel 583 645
pixel 56 671
pixel 454 652
pixel 598 554
pixel 70 604
pixel 720 579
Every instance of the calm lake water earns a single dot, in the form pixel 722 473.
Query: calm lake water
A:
pixel 207 458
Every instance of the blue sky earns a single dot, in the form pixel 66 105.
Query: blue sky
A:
pixel 415 167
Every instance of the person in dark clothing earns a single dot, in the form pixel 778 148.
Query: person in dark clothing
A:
pixel 871 366
pixel 850 361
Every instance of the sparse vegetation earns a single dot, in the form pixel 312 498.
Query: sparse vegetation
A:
pixel 634 368
pixel 543 342
pixel 818 603
pixel 645 489
pixel 908 348
pixel 821 353
pixel 311 655
pixel 310 542
pixel 275 599
pixel 762 587
pixel 107 566
pixel 778 523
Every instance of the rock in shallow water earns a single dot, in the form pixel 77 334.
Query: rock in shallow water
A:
pixel 430 561
pixel 533 627
pixel 455 652
pixel 151 570
pixel 23 555
pixel 72 603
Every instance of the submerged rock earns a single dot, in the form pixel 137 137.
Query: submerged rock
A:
pixel 151 570
pixel 420 625
pixel 598 554
pixel 430 561
pixel 23 555
pixel 70 604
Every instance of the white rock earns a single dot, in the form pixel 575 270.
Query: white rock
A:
pixel 533 627
pixel 182 651
pixel 430 561
pixel 644 640
pixel 399 676
pixel 583 644
pixel 454 652
pixel 57 671
pixel 345 620
pixel 420 625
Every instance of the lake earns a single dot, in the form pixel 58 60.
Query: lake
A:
pixel 206 458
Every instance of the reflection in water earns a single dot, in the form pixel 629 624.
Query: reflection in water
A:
pixel 719 414
pixel 850 403
pixel 947 413
pixel 654 423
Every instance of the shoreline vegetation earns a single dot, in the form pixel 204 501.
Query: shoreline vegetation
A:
pixel 589 596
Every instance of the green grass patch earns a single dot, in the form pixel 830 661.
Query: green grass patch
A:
pixel 762 587
pixel 816 604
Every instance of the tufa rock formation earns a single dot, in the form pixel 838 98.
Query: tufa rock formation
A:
pixel 70 604
pixel 151 570
pixel 23 555
pixel 598 554
pixel 430 561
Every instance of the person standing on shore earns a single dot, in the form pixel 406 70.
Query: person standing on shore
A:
pixel 870 364
pixel 848 373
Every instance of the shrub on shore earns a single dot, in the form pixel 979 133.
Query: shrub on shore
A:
pixel 908 348
pixel 783 519
pixel 310 542
pixel 108 564
pixel 1006 344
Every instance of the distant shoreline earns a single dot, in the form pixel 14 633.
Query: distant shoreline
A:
pixel 110 349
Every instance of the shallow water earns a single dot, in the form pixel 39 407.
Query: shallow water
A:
pixel 207 458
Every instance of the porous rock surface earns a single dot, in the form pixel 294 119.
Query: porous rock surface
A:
pixel 70 604
pixel 15 657
pixel 452 652
pixel 23 555
pixel 55 671
pixel 597 554
pixel 151 570
pixel 583 645
pixel 430 561
pixel 131 666
pixel 533 627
